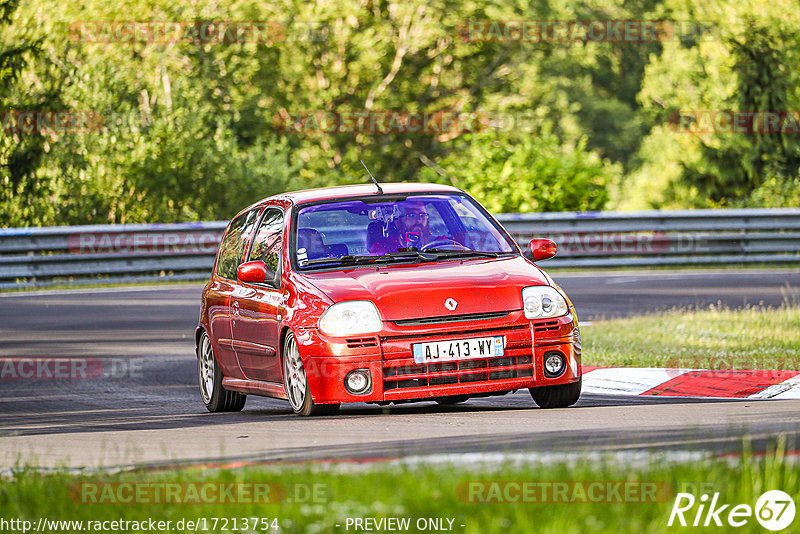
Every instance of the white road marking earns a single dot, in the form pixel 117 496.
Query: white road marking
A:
pixel 627 381
pixel 788 389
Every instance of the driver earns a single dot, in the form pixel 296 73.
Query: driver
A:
pixel 412 230
pixel 413 225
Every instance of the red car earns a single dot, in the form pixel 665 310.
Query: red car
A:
pixel 407 292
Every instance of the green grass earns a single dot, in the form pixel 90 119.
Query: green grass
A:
pixel 424 491
pixel 714 338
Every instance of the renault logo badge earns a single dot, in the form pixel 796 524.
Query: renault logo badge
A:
pixel 450 304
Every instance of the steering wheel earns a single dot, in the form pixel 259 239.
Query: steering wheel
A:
pixel 443 242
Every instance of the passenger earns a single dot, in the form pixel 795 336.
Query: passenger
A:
pixel 311 240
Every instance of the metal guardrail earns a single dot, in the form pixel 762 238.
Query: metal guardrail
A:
pixel 185 251
pixel 109 253
pixel 657 238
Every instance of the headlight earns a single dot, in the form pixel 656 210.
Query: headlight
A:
pixel 543 301
pixel 350 318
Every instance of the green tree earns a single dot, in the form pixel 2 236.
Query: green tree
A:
pixel 523 173
pixel 23 192
pixel 748 62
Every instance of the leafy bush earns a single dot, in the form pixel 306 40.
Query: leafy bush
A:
pixel 523 173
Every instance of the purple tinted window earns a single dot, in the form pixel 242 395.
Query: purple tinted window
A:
pixel 363 228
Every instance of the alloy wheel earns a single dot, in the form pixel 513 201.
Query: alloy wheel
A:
pixel 294 376
pixel 205 369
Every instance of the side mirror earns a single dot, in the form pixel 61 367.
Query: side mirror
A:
pixel 543 249
pixel 252 272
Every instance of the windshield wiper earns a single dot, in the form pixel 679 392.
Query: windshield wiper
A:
pixel 409 254
pixel 355 260
pixel 451 253
pixel 342 260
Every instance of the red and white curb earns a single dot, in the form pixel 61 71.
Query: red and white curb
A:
pixel 691 383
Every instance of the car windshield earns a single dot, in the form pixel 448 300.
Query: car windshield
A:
pixel 413 228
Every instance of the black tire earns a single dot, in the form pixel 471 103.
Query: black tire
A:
pixel 452 399
pixel 296 385
pixel 214 396
pixel 559 396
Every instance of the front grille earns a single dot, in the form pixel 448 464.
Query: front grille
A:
pixel 444 366
pixel 362 342
pixel 457 372
pixel 546 326
pixel 401 372
pixel 451 318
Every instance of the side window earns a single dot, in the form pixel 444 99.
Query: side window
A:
pixel 231 248
pixel 268 241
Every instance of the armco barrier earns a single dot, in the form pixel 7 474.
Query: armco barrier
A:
pixel 185 251
pixel 113 253
pixel 649 238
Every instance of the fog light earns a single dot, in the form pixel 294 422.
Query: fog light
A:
pixel 358 382
pixel 554 364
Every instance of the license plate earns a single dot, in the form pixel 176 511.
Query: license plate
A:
pixel 458 349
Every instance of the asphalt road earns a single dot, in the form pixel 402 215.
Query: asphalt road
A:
pixel 145 407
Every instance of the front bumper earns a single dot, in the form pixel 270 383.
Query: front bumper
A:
pixel 395 376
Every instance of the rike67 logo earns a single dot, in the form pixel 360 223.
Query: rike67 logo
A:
pixel 774 510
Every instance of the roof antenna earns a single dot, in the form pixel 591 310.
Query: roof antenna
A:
pixel 380 191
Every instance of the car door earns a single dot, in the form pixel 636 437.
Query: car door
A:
pixel 256 306
pixel 223 286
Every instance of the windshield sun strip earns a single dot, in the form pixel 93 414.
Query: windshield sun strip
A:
pixel 335 263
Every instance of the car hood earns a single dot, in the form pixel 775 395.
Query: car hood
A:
pixel 421 290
